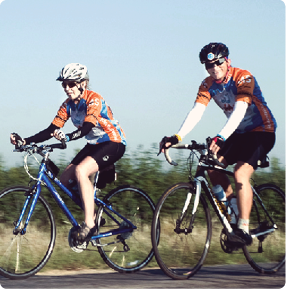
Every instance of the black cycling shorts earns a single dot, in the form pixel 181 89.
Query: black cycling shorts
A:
pixel 105 154
pixel 247 147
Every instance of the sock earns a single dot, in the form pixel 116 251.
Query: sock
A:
pixel 243 224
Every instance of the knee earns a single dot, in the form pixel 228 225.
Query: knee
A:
pixel 210 172
pixel 243 172
pixel 81 172
pixel 239 176
pixel 78 172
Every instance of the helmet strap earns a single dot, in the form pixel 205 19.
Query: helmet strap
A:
pixel 81 91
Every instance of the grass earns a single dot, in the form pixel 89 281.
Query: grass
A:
pixel 64 258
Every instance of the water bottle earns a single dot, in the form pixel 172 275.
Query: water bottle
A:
pixel 221 197
pixel 219 193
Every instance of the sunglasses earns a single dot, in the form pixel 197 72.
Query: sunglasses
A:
pixel 70 84
pixel 218 62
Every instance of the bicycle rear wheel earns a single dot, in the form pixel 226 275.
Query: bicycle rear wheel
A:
pixel 136 206
pixel 267 253
pixel 180 254
pixel 23 255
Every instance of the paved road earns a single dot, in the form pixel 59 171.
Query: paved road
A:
pixel 227 276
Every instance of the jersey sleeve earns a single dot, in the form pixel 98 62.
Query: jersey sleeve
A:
pixel 81 132
pixel 94 108
pixel 100 114
pixel 62 115
pixel 42 135
pixel 245 86
pixel 203 95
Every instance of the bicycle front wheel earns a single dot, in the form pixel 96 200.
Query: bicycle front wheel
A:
pixel 184 237
pixel 267 252
pixel 24 254
pixel 127 252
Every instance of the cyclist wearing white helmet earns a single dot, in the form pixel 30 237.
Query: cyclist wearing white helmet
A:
pixel 94 120
pixel 247 136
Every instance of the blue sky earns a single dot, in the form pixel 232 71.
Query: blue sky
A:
pixel 142 57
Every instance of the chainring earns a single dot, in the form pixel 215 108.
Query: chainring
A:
pixel 126 235
pixel 226 246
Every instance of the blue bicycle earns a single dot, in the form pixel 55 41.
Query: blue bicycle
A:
pixel 28 228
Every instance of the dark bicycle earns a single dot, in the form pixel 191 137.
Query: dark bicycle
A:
pixel 186 226
pixel 28 229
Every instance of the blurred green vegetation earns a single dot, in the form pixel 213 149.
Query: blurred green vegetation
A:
pixel 141 168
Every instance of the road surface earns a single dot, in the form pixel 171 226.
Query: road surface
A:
pixel 223 276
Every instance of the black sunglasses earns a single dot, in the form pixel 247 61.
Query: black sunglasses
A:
pixel 70 84
pixel 218 62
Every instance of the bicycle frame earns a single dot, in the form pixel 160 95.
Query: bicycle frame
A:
pixel 190 215
pixel 46 177
pixel 200 182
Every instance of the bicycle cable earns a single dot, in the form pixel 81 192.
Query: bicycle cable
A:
pixel 26 166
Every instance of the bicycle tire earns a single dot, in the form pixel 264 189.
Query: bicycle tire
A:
pixel 270 257
pixel 135 205
pixel 180 256
pixel 22 256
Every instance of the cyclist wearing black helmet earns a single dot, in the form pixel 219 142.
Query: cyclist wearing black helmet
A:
pixel 247 136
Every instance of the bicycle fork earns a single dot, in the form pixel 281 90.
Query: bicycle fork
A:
pixel 30 203
pixel 185 208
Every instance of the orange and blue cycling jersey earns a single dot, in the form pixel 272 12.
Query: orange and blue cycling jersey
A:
pixel 91 108
pixel 240 85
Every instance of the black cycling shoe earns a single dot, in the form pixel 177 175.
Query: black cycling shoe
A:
pixel 240 238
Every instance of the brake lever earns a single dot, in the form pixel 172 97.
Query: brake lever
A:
pixel 212 155
pixel 216 161
pixel 20 148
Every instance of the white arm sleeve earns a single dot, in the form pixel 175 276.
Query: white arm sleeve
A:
pixel 235 119
pixel 192 119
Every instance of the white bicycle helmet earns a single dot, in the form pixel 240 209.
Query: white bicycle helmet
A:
pixel 74 72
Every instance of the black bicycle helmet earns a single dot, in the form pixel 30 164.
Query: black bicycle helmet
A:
pixel 213 50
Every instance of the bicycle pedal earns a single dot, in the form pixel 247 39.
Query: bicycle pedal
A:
pixel 94 244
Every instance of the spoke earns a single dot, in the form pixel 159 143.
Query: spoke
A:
pixel 7 254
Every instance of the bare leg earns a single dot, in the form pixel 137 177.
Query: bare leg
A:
pixel 68 174
pixel 82 172
pixel 242 175
pixel 218 178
